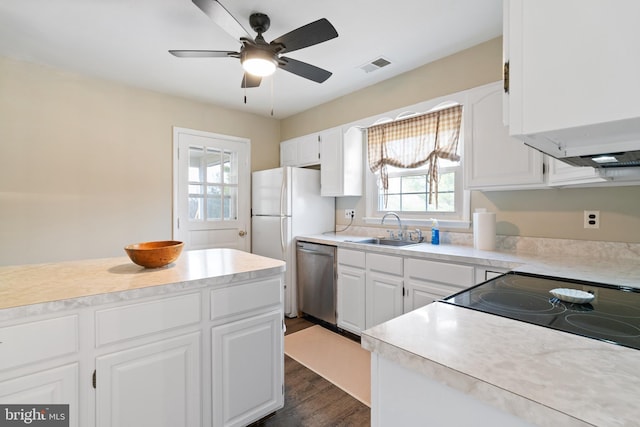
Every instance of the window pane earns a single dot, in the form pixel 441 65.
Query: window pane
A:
pixel 447 182
pixel 195 189
pixel 230 203
pixel 394 185
pixel 414 202
pixel 214 169
pixel 414 184
pixel 195 208
pixel 195 164
pixel 446 203
pixel 393 203
pixel 230 168
pixel 214 208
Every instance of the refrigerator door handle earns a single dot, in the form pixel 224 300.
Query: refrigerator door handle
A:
pixel 283 187
pixel 282 225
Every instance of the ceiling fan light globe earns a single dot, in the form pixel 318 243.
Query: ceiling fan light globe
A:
pixel 259 66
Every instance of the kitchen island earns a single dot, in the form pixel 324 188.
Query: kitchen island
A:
pixel 198 342
pixel 466 365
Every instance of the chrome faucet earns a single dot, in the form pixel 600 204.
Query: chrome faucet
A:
pixel 399 223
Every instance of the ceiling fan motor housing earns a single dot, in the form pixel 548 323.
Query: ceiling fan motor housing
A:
pixel 259 22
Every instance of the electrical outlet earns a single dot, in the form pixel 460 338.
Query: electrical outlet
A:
pixel 591 219
pixel 349 213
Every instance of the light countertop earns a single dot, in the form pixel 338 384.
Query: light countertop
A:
pixel 547 377
pixel 86 282
pixel 591 266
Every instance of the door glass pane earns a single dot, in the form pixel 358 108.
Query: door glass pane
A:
pixel 195 162
pixel 214 202
pixel 216 171
pixel 195 208
pixel 230 203
pixel 230 168
pixel 214 166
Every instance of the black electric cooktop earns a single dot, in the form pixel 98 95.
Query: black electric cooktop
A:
pixel 613 315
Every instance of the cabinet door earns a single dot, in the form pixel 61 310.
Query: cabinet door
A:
pixel 351 298
pixel 383 297
pixel 563 174
pixel 332 167
pixel 288 153
pixel 308 150
pixel 247 369
pixel 153 385
pixel 51 386
pixel 419 294
pixel 494 160
pixel 556 80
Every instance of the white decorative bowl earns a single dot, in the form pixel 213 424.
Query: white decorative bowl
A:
pixel 572 295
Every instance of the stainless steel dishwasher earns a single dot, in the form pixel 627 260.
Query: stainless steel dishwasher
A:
pixel 316 271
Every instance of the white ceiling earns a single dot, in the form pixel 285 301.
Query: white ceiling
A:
pixel 127 41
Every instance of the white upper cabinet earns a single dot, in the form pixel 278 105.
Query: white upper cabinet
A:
pixel 341 162
pixel 493 159
pixel 572 63
pixel 300 151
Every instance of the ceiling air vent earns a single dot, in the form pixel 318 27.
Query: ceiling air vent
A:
pixel 374 65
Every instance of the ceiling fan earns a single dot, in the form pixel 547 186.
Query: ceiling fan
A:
pixel 258 57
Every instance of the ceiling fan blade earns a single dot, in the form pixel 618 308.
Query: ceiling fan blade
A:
pixel 303 69
pixel 204 53
pixel 221 16
pixel 316 32
pixel 249 80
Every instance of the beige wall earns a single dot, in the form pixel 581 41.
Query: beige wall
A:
pixel 86 165
pixel 554 213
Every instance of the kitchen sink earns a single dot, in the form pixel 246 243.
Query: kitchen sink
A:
pixel 385 242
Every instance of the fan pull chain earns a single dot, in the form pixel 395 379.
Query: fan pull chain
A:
pixel 272 78
pixel 244 86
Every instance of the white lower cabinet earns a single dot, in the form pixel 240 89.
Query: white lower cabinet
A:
pixel 57 385
pixel 247 369
pixel 428 281
pixel 375 287
pixel 384 289
pixel 39 362
pixel 157 384
pixel 156 361
pixel 351 290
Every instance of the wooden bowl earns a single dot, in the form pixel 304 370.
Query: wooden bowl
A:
pixel 154 254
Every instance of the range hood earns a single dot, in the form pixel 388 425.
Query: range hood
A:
pixel 613 148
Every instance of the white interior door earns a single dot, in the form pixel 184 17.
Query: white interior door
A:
pixel 211 190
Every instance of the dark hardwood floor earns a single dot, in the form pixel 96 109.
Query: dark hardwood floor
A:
pixel 310 400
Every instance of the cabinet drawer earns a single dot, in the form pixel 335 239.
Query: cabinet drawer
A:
pixel 385 263
pixel 352 258
pixel 136 320
pixel 454 274
pixel 237 299
pixel 37 341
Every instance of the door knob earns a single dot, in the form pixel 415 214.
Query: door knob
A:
pixel 242 233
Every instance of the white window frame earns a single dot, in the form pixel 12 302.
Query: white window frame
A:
pixel 462 218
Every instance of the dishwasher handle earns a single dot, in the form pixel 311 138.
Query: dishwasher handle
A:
pixel 308 251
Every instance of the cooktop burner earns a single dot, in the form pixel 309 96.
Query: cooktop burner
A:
pixel 613 315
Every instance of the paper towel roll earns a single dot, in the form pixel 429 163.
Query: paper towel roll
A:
pixel 484 231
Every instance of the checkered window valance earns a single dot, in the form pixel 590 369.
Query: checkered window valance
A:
pixel 414 142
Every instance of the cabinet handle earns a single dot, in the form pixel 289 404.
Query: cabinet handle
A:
pixel 505 77
pixel 93 379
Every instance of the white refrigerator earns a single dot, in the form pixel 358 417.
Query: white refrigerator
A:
pixel 285 203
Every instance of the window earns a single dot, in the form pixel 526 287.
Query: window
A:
pixel 213 185
pixel 408 189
